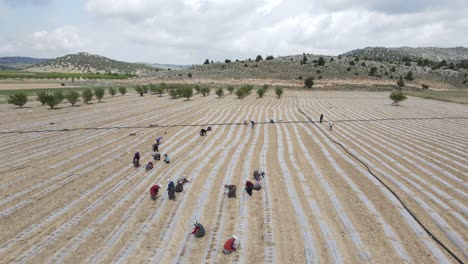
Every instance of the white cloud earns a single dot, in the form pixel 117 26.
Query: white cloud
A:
pixel 62 39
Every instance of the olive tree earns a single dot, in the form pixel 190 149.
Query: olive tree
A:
pixel 219 92
pixel 397 97
pixel 99 93
pixel 122 90
pixel 72 97
pixel 112 91
pixel 19 99
pixel 279 91
pixel 87 95
pixel 260 92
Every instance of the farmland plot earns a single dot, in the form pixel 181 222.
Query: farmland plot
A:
pixel 69 192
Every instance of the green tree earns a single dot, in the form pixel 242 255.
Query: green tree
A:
pixel 373 71
pixel 261 92
pixel 219 92
pixel 18 98
pixel 163 86
pixel 240 93
pixel 265 87
pixel 122 90
pixel 87 95
pixel 112 91
pixel 189 75
pixel 72 97
pixel 397 97
pixel 152 87
pixel 409 76
pixel 205 91
pixel 425 86
pixel 230 89
pixel 258 58
pixel 59 96
pixel 321 61
pixel 309 82
pixel 207 61
pixel 186 92
pixel 159 90
pixel 99 93
pixel 139 90
pixel 52 100
pixel 173 93
pixel 41 97
pixel 400 83
pixel 197 88
pixel 279 91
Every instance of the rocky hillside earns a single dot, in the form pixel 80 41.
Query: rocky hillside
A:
pixel 404 53
pixel 297 67
pixel 89 63
pixel 19 62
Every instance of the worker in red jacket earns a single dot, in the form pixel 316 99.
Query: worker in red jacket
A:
pixel 249 187
pixel 229 246
pixel 154 191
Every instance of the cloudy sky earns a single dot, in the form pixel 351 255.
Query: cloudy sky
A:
pixel 188 31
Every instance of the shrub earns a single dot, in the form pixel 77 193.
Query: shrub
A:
pixel 122 90
pixel 207 61
pixel 265 87
pixel 352 63
pixel 189 75
pixel 397 97
pixel 258 58
pixel 348 69
pixel 219 92
pixel 299 78
pixel 279 91
pixel 425 86
pixel 87 95
pixel 240 93
pixel 309 82
pixel 99 93
pixel 230 89
pixel 393 69
pixel 19 99
pixel 269 57
pixel 373 71
pixel 72 97
pixel 52 100
pixel 400 83
pixel 41 97
pixel 112 91
pixel 261 92
pixel 205 91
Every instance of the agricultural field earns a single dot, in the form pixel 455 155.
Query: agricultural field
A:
pixel 70 194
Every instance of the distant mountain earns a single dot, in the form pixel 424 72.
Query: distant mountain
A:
pixel 19 62
pixel 85 62
pixel 398 54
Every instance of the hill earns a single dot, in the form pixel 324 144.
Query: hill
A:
pixel 401 53
pixel 297 67
pixel 19 62
pixel 83 62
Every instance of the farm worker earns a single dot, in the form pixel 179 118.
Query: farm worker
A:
pixel 252 124
pixel 249 187
pixel 156 147
pixel 231 191
pixel 171 189
pixel 330 124
pixel 245 122
pixel 158 140
pixel 149 166
pixel 167 159
pixel 257 185
pixel 199 230
pixel 257 174
pixel 202 132
pixel 136 159
pixel 208 128
pixel 154 191
pixel 321 118
pixel 157 156
pixel 179 187
pixel 229 246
